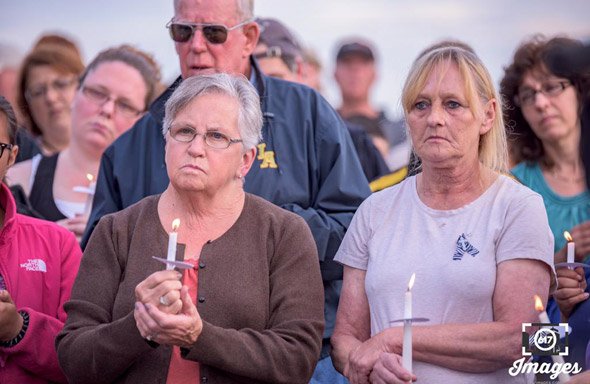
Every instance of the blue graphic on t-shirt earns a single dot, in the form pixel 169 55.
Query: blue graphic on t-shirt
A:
pixel 464 246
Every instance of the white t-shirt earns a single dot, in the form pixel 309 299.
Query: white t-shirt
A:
pixel 454 254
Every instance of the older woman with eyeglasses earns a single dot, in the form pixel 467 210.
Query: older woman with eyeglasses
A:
pixel 253 275
pixel 115 90
pixel 543 117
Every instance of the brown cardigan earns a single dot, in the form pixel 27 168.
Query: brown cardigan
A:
pixel 260 295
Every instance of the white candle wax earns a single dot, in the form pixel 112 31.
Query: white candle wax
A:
pixel 89 198
pixel 571 249
pixel 408 305
pixel 407 345
pixel 171 256
pixel 172 240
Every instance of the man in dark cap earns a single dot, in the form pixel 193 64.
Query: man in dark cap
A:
pixel 279 54
pixel 355 74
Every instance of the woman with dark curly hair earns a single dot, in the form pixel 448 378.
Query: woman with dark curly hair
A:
pixel 543 112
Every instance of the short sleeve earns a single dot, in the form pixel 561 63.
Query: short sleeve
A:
pixel 526 233
pixel 354 250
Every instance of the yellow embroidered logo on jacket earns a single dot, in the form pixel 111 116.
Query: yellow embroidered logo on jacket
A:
pixel 267 157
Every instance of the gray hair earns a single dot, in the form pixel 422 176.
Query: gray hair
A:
pixel 245 8
pixel 234 86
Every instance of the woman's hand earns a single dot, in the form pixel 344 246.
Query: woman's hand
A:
pixel 571 285
pixel 11 321
pixel 362 359
pixel 162 290
pixel 77 225
pixel 181 330
pixel 389 370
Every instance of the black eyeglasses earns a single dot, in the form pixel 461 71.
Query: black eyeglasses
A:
pixel 181 32
pixel 527 96
pixel 213 139
pixel 100 97
pixel 4 146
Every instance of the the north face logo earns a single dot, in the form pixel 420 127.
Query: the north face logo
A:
pixel 464 246
pixel 35 265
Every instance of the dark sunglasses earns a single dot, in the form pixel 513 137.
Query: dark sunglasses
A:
pixel 214 33
pixel 4 146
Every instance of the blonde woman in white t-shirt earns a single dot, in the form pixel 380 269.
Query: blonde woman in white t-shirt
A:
pixel 479 243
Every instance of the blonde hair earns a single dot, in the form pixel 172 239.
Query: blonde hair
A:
pixel 479 89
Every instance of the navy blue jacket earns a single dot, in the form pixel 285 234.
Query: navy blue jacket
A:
pixel 306 164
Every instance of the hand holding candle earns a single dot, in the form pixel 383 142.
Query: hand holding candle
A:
pixel 89 191
pixel 571 247
pixel 407 346
pixel 172 240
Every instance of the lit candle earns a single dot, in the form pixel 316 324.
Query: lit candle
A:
pixel 543 318
pixel 407 346
pixel 90 191
pixel 571 247
pixel 172 239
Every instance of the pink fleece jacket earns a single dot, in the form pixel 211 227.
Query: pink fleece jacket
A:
pixel 39 261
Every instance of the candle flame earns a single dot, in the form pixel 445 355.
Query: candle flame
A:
pixel 411 283
pixel 175 224
pixel 90 177
pixel 538 303
pixel 567 236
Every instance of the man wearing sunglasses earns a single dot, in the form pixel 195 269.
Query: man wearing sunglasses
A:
pixel 306 162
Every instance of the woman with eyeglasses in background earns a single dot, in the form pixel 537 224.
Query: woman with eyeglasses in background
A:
pixel 46 87
pixel 543 113
pixel 114 91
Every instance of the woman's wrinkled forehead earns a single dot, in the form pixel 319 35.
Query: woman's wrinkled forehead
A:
pixel 435 73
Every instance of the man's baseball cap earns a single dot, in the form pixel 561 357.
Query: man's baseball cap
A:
pixel 355 48
pixel 279 41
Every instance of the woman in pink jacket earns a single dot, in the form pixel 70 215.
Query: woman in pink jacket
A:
pixel 38 264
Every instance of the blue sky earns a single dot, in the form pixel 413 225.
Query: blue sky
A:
pixel 399 29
